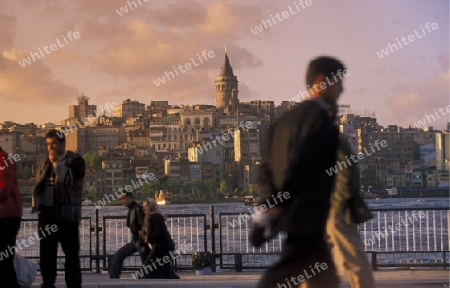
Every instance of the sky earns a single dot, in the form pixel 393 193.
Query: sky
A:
pixel 114 57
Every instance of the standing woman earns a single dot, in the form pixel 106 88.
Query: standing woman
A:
pixel 155 233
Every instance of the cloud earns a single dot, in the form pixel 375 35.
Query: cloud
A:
pixel 143 50
pixel 406 102
pixel 428 96
pixel 130 51
pixel 7 25
pixel 225 20
pixel 182 15
pixel 32 84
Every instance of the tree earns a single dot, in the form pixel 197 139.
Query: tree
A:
pixel 149 189
pixel 197 189
pixel 210 188
pixel 92 194
pixel 246 190
pixel 223 188
pixel 92 159
pixel 26 172
pixel 371 179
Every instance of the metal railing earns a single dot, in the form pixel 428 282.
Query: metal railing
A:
pixel 407 237
pixel 393 238
pixel 30 248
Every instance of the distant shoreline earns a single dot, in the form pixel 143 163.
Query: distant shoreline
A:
pixel 177 201
pixel 241 199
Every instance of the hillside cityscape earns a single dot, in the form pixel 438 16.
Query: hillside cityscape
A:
pixel 210 152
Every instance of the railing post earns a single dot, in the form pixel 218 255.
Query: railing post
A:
pixel 238 262
pixel 219 223
pixel 374 261
pixel 205 233
pixel 97 243
pixel 213 234
pixel 444 261
pixel 105 256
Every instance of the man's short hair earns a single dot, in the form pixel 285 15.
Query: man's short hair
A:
pixel 322 65
pixel 58 134
pixel 126 195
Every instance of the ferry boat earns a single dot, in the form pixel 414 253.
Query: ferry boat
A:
pixel 87 202
pixel 164 197
pixel 250 200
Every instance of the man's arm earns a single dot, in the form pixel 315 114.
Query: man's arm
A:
pixel 139 221
pixel 294 150
pixel 264 175
pixel 345 178
pixel 140 216
pixel 34 196
pixel 314 145
pixel 70 172
pixel 79 168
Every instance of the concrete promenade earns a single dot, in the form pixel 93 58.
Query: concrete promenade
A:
pixel 384 278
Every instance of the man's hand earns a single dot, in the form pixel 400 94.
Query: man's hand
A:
pixel 273 212
pixel 262 225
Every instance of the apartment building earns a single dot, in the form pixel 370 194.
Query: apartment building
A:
pixel 87 139
pixel 129 108
pixel 442 151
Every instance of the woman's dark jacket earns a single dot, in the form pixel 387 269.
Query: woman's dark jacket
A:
pixel 155 230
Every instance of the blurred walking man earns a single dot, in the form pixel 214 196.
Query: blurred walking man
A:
pixel 300 146
pixel 57 200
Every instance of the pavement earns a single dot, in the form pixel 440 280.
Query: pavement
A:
pixel 383 278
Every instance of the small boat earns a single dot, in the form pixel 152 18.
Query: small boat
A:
pixel 164 197
pixel 249 200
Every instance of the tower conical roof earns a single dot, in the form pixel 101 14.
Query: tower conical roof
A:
pixel 225 69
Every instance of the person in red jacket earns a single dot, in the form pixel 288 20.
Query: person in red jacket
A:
pixel 10 215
